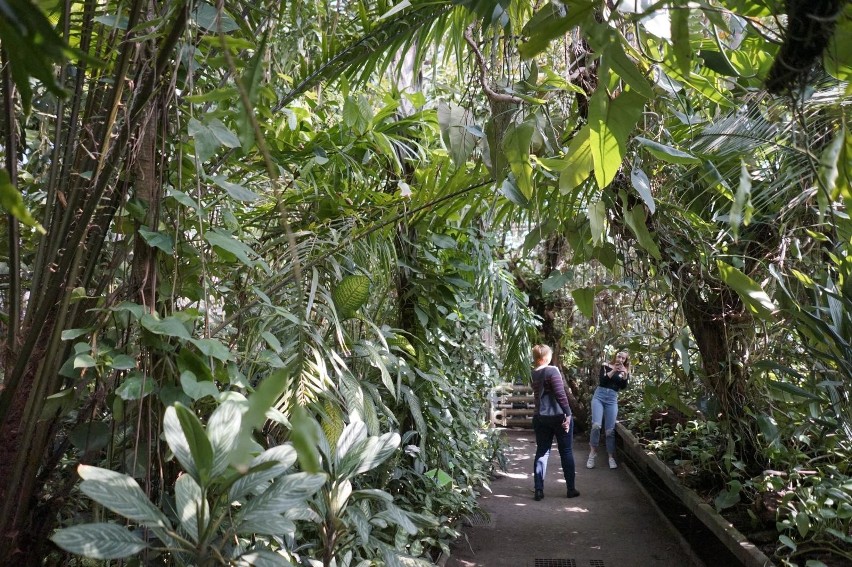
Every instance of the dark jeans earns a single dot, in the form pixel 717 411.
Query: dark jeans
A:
pixel 545 427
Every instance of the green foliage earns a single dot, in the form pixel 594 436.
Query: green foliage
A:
pixel 214 503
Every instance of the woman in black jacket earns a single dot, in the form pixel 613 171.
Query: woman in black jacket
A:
pixel 552 417
pixel 613 377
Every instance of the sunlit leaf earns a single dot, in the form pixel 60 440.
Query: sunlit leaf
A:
pixel 121 494
pixel 99 541
pixel 554 20
pixel 578 161
pixel 642 184
pixel 611 122
pixel 750 291
pixel 667 153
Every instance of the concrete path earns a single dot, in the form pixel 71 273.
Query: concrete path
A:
pixel 613 523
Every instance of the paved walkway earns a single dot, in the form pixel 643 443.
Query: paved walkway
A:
pixel 613 523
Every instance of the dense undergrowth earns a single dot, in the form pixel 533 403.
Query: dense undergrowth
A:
pixel 797 510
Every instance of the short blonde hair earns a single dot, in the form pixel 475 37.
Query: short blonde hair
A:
pixel 540 352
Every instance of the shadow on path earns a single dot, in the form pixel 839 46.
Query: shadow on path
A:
pixel 613 523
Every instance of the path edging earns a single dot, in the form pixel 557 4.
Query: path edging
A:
pixel 731 537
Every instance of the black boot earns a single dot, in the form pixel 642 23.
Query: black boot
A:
pixel 539 494
pixel 573 493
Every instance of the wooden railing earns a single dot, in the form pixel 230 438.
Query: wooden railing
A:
pixel 512 405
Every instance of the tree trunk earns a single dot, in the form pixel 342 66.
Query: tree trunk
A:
pixel 722 328
pixel 77 224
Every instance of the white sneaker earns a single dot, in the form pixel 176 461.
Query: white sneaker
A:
pixel 590 464
pixel 612 463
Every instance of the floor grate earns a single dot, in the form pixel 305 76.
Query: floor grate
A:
pixel 479 519
pixel 596 563
pixel 554 563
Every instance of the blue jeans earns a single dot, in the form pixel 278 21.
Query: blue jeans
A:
pixel 604 409
pixel 546 427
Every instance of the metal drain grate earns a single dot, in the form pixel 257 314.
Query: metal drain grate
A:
pixel 479 519
pixel 596 563
pixel 554 563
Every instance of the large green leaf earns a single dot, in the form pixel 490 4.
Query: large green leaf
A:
pixel 251 81
pixel 121 494
pixel 741 208
pixel 169 326
pixel 155 239
pixel 350 295
pixel 178 442
pixel 611 122
pixel 556 280
pixel 642 184
pixel 213 348
pixel 578 161
pixel 597 221
pixel 223 429
pixel 354 433
pixel 837 56
pixel 357 113
pixel 375 451
pixel 636 219
pixel 516 147
pixel 196 438
pixel 235 190
pixel 98 541
pixel 625 67
pixel 667 153
pixel 225 241
pixel 32 47
pixel 267 524
pixel 455 123
pixel 262 469
pixel 287 491
pixel 189 502
pixel 91 436
pixel 554 20
pixel 135 386
pixel 510 190
pixel 752 294
pixel 584 298
pixel 680 37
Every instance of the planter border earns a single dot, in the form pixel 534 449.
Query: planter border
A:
pixel 745 551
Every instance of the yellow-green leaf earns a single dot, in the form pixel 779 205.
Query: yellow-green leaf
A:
pixel 635 219
pixel 625 68
pixel 578 162
pixel 750 292
pixel 516 146
pixel 680 38
pixel 611 122
pixel 350 294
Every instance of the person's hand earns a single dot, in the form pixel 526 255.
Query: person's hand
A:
pixel 566 423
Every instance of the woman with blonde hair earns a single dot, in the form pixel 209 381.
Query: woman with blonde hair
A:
pixel 552 418
pixel 612 378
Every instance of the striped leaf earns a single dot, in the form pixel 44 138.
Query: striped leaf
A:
pixel 350 294
pixel 121 494
pixel 98 541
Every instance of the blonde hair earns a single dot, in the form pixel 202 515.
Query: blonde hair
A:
pixel 540 352
pixel 626 358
